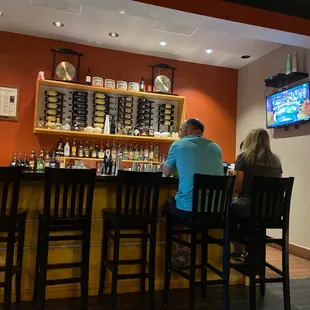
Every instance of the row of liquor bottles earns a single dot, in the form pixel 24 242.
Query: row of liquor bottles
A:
pixel 94 150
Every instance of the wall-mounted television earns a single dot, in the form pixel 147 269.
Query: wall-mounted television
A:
pixel 288 107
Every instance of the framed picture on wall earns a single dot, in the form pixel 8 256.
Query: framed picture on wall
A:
pixel 9 103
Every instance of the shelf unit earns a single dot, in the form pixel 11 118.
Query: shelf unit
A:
pixel 178 100
pixel 282 79
pixel 66 133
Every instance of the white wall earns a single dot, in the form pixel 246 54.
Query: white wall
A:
pixel 293 146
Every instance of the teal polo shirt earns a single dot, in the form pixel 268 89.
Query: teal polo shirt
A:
pixel 190 155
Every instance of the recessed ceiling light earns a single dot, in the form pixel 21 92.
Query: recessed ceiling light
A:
pixel 245 56
pixel 122 12
pixel 113 34
pixel 58 24
pixel 163 43
pixel 209 51
pixel 1 13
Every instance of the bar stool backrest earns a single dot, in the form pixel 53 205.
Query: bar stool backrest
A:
pixel 10 178
pixel 69 192
pixel 270 201
pixel 137 193
pixel 212 197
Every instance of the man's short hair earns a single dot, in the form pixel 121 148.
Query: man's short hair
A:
pixel 195 124
pixel 241 145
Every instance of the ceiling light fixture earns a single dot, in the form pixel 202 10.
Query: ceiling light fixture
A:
pixel 163 43
pixel 122 12
pixel 1 13
pixel 245 56
pixel 113 34
pixel 58 24
pixel 209 51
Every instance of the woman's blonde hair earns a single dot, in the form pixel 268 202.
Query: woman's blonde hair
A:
pixel 257 149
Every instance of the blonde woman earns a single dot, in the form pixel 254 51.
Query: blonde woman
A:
pixel 257 159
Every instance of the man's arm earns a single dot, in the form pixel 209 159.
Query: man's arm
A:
pixel 170 164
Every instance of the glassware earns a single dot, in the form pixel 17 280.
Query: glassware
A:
pixel 58 125
pixel 40 122
pixel 67 125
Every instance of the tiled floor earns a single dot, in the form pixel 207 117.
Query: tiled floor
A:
pixel 299 268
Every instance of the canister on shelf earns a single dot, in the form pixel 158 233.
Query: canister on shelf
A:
pixel 97 81
pixel 109 83
pixel 121 85
pixel 133 86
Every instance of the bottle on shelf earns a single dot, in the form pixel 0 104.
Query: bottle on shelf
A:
pixel 105 164
pixel 32 161
pixel 94 153
pixel 107 149
pixel 136 131
pixel 142 85
pixel 81 150
pixel 151 154
pixel 86 150
pixel 113 125
pixel 60 147
pixel 20 162
pixel 109 166
pixel 156 153
pixel 101 151
pixel 26 162
pixel 47 161
pixel 125 153
pixel 106 129
pixel 14 161
pixel 91 148
pixel 53 163
pixel 73 149
pixel 113 151
pixel 67 148
pixel 130 153
pixel 40 162
pixel 58 125
pixel 146 153
pixel 141 153
pixel 288 64
pixel 119 151
pixel 88 77
pixel 294 62
pixel 136 153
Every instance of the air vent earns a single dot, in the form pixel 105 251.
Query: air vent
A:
pixel 59 5
pixel 174 28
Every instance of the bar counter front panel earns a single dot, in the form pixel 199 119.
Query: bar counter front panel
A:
pixel 31 198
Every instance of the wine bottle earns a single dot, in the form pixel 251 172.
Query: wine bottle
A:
pixel 88 77
pixel 26 162
pixel 142 85
pixel 20 162
pixel 67 148
pixel 73 149
pixel 14 161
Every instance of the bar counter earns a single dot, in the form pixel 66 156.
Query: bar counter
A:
pixel 31 198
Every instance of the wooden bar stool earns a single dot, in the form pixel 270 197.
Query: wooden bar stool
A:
pixel 270 202
pixel 68 200
pixel 211 198
pixel 12 225
pixel 135 210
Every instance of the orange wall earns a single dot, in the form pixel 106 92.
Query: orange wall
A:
pixel 211 92
pixel 238 13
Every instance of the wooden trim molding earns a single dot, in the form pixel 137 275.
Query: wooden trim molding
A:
pixel 295 250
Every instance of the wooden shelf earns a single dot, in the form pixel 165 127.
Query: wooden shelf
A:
pixel 52 83
pixel 101 135
pixel 99 159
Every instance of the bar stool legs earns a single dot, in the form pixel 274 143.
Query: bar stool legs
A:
pixel 115 269
pixel 85 267
pixel 192 271
pixel 168 255
pixel 152 266
pixel 286 276
pixel 204 270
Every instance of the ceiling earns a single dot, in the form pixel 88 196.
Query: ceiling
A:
pixel 298 8
pixel 142 28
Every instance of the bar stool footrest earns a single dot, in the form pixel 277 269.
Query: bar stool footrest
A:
pixel 64 265
pixel 64 281
pixel 132 276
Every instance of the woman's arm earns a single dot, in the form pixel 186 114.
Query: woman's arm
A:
pixel 239 182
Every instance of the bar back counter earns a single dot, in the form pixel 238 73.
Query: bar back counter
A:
pixel 31 198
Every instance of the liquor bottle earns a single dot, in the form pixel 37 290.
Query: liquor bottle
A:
pixel 105 164
pixel 107 149
pixel 14 161
pixel 20 162
pixel 141 153
pixel 119 151
pixel 101 151
pixel 156 153
pixel 60 147
pixel 130 153
pixel 146 153
pixel 80 150
pixel 40 162
pixel 53 163
pixel 86 150
pixel 67 148
pixel 288 64
pixel 125 153
pixel 106 129
pixel 94 153
pixel 91 148
pixel 113 151
pixel 73 149
pixel 151 154
pixel 47 161
pixel 26 162
pixel 110 165
pixel 32 161
pixel 142 85
pixel 136 153
pixel 88 77
pixel 113 126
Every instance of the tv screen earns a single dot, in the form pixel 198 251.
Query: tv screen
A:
pixel 288 107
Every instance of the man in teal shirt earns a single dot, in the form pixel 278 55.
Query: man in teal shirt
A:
pixel 189 155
